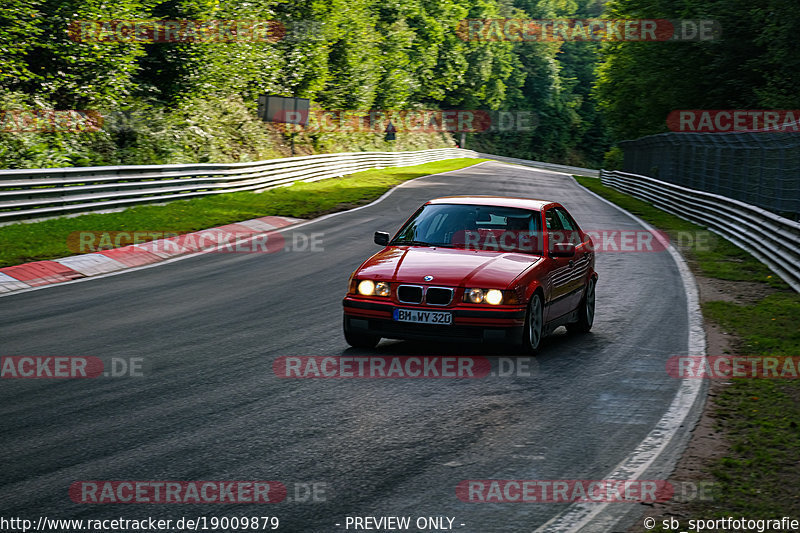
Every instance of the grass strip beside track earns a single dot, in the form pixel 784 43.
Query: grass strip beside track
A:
pixel 47 239
pixel 758 477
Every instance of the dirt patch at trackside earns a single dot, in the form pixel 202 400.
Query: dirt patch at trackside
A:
pixel 707 443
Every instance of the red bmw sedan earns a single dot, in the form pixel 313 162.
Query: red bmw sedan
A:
pixel 475 268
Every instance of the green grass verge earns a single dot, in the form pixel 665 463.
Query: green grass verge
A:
pixel 759 476
pixel 48 239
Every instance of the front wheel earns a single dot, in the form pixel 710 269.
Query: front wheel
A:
pixel 360 340
pixel 534 324
pixel 585 311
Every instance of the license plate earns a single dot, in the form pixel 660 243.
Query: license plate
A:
pixel 422 316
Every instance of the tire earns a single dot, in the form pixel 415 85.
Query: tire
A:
pixel 585 311
pixel 534 325
pixel 360 340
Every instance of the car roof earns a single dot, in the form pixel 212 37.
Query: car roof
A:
pixel 501 201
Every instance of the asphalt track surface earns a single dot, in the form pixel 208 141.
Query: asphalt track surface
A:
pixel 209 406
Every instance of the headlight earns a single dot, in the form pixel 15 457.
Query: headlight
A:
pixel 475 295
pixel 489 296
pixel 366 288
pixel 494 297
pixel 382 289
pixel 370 288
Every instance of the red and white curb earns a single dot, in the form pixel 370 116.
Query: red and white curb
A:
pixel 38 273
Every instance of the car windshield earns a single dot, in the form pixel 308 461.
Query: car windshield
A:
pixel 477 227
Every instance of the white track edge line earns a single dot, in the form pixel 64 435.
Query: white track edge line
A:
pixel 644 455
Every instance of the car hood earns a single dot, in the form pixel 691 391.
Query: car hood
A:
pixel 448 266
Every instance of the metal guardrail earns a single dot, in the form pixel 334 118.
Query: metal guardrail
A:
pixel 772 239
pixel 39 193
pixel 592 173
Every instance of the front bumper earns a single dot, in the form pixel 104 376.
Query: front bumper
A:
pixel 502 325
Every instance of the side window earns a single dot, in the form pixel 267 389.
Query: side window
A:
pixel 566 221
pixel 571 230
pixel 552 220
pixel 561 227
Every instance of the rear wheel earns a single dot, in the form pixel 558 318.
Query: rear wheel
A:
pixel 585 311
pixel 534 324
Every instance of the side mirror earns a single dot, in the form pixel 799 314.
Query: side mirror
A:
pixel 382 238
pixel 562 249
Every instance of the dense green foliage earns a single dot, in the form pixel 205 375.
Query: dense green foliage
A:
pixel 754 64
pixel 558 79
pixel 194 102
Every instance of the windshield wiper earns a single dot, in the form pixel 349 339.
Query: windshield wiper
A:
pixel 412 243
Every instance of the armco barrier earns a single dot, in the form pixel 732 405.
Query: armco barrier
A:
pixel 592 173
pixel 48 192
pixel 774 240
